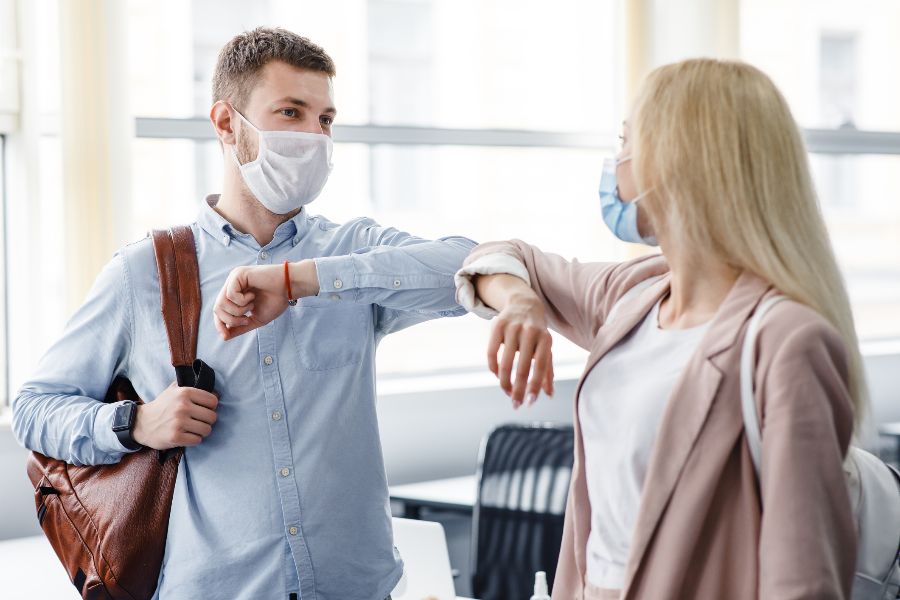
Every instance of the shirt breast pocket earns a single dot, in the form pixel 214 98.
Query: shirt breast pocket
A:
pixel 330 334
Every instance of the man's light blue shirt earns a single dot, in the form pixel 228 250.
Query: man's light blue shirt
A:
pixel 288 494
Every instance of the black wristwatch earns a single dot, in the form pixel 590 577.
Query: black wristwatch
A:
pixel 123 423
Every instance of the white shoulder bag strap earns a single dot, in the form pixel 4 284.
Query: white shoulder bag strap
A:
pixel 872 486
pixel 748 404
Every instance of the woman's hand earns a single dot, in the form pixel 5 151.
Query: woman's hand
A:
pixel 254 296
pixel 521 328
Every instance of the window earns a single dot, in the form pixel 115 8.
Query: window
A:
pixel 496 64
pixel 829 58
pixel 442 116
pixel 838 77
pixel 9 110
pixel 455 108
pixel 33 274
pixel 538 184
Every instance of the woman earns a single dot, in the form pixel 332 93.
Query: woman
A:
pixel 664 501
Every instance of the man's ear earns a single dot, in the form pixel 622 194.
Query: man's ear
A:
pixel 220 115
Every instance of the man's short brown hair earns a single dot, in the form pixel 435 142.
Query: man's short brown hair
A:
pixel 242 59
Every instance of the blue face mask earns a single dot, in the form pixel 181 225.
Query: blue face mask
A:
pixel 619 216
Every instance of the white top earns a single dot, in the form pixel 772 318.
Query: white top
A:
pixel 620 408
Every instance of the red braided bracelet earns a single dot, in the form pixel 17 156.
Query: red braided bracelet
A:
pixel 287 284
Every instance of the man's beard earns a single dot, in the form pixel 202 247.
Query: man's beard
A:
pixel 246 150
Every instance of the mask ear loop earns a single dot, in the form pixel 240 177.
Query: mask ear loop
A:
pixel 641 195
pixel 259 139
pixel 245 119
pixel 637 198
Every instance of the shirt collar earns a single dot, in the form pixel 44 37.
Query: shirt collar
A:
pixel 220 229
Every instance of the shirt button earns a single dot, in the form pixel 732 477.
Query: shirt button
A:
pixel 285 472
pixel 226 239
pixel 268 360
pixel 296 241
pixel 335 296
pixel 276 416
pixel 396 283
pixel 264 255
pixel 293 531
pixel 338 284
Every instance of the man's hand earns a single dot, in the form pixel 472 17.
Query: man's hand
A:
pixel 254 296
pixel 180 416
pixel 522 327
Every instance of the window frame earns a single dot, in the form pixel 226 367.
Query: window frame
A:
pixel 818 141
pixel 835 142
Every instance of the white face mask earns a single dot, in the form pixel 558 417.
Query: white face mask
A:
pixel 290 169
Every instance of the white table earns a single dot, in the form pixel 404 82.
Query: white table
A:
pixel 456 494
pixel 29 569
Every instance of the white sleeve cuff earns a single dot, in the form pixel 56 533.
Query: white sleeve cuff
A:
pixel 104 438
pixel 489 264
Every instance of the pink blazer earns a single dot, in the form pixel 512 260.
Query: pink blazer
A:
pixel 706 529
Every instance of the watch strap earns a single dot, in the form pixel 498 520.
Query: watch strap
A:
pixel 124 434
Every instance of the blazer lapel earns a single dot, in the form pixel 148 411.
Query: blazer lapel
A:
pixel 686 413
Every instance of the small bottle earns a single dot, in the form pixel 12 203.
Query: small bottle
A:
pixel 540 586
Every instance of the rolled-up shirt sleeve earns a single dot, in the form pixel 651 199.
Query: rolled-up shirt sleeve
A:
pixel 398 272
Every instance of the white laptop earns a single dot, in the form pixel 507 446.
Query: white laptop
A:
pixel 426 572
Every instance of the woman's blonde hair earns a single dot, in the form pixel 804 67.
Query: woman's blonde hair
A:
pixel 715 144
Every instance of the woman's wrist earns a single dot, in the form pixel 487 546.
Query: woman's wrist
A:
pixel 500 290
pixel 524 297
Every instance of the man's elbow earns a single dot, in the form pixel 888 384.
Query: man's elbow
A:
pixel 464 244
pixel 19 417
pixel 457 311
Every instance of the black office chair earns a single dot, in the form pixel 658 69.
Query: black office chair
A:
pixel 517 523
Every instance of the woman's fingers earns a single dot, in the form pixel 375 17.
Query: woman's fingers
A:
pixel 548 378
pixel 494 347
pixel 543 362
pixel 510 347
pixel 523 366
pixel 521 331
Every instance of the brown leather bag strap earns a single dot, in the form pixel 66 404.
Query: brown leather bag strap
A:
pixel 179 288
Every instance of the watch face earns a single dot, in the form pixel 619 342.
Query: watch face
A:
pixel 122 417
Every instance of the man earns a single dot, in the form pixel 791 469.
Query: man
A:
pixel 282 491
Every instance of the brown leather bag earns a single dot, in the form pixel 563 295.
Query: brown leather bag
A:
pixel 108 523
